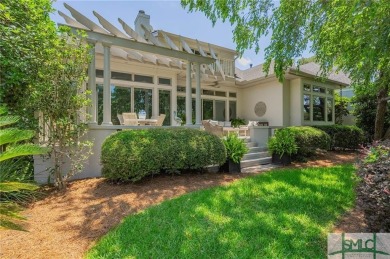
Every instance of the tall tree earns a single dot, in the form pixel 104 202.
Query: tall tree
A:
pixel 351 35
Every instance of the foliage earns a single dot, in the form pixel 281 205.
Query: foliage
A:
pixel 364 109
pixel 283 142
pixel 340 107
pixel 374 189
pixel 350 35
pixel 132 155
pixel 235 147
pixel 343 137
pixel 309 139
pixel 13 145
pixel 280 214
pixel 238 122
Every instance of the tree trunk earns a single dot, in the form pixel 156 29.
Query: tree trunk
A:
pixel 381 112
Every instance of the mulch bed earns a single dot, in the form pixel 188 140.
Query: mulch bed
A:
pixel 66 224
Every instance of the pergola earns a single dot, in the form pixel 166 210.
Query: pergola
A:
pixel 130 45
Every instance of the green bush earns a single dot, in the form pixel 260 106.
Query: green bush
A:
pixel 309 139
pixel 343 137
pixel 283 142
pixel 235 147
pixel 132 155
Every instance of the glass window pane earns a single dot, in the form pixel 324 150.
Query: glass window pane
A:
pixel 143 79
pixel 330 109
pixel 219 93
pixel 99 73
pixel 207 109
pixel 120 102
pixel 330 91
pixel 181 89
pixel 208 92
pixel 233 95
pixel 143 101
pixel 99 92
pixel 306 88
pixel 318 108
pixel 181 109
pixel 232 110
pixel 306 107
pixel 318 89
pixel 220 110
pixel 121 76
pixel 164 81
pixel 164 106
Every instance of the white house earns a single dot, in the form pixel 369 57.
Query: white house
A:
pixel 163 73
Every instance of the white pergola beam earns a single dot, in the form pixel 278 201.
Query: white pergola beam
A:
pixel 130 44
pixel 109 27
pixel 132 33
pixel 217 62
pixel 84 20
pixel 150 37
pixel 71 21
pixel 169 41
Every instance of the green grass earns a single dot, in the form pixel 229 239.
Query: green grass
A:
pixel 280 214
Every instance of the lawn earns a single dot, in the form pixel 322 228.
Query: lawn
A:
pixel 281 214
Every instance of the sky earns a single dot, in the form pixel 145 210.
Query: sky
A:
pixel 167 15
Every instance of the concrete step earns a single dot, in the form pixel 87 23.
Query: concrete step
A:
pixel 251 144
pixel 259 168
pixel 256 149
pixel 246 139
pixel 255 155
pixel 255 162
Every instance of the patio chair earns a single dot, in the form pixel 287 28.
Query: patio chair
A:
pixel 212 128
pixel 130 119
pixel 120 118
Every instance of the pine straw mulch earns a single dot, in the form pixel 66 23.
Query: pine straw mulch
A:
pixel 66 224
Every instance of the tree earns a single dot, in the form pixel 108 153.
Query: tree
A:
pixel 340 107
pixel 11 147
pixel 351 35
pixel 44 70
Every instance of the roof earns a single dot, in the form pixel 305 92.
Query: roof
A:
pixel 310 69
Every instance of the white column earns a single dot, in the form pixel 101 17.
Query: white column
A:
pixel 198 105
pixel 92 84
pixel 188 96
pixel 227 110
pixel 174 100
pixel 106 86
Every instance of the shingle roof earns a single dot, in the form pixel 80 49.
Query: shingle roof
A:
pixel 310 68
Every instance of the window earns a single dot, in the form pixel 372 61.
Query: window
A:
pixel 232 110
pixel 120 102
pixel 164 81
pixel 208 109
pixel 99 73
pixel 143 79
pixel 208 92
pixel 121 76
pixel 143 101
pixel 181 89
pixel 233 95
pixel 164 105
pixel 318 104
pixel 219 93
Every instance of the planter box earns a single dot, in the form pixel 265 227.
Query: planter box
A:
pixel 230 167
pixel 284 160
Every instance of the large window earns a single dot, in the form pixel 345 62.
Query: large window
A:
pixel 164 105
pixel 208 109
pixel 120 102
pixel 318 104
pixel 220 110
pixel 143 101
pixel 181 109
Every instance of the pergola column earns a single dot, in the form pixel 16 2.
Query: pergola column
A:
pixel 92 83
pixel 107 86
pixel 188 96
pixel 198 110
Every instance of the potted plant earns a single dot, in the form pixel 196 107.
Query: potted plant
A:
pixel 282 145
pixel 235 149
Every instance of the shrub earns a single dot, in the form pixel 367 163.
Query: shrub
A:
pixel 374 189
pixel 131 155
pixel 309 139
pixel 235 148
pixel 283 142
pixel 238 122
pixel 344 137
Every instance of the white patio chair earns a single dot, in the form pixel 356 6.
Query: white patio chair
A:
pixel 120 118
pixel 130 119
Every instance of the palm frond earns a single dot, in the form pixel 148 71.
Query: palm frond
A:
pixel 8 120
pixel 12 135
pixel 17 186
pixel 23 150
pixel 9 215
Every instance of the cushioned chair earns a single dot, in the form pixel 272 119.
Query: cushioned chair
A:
pixel 130 119
pixel 120 118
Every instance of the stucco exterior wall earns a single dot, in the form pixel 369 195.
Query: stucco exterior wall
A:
pixel 271 93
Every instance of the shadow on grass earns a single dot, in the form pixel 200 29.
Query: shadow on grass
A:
pixel 281 214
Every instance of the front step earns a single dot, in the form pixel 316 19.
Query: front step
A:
pixel 254 155
pixel 255 162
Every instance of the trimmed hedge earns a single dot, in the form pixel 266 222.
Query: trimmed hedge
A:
pixel 309 139
pixel 343 137
pixel 131 155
